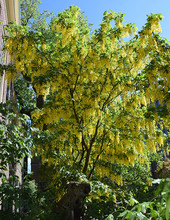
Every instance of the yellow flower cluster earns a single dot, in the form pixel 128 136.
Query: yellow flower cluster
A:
pixel 98 85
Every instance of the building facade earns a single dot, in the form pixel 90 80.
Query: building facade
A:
pixel 9 11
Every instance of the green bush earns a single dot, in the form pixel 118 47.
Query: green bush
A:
pixel 157 208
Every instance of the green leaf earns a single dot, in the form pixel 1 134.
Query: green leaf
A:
pixel 143 208
pixel 133 201
pixel 110 217
pixel 154 213
pixel 123 213
pixel 131 215
pixel 167 209
pixel 105 13
pixel 141 216
pixel 139 207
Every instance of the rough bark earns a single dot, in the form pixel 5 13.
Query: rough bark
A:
pixel 72 203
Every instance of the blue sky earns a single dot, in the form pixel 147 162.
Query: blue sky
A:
pixel 135 10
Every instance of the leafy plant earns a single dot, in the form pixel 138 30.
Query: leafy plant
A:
pixel 14 135
pixel 158 208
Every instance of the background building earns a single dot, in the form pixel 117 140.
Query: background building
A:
pixel 9 11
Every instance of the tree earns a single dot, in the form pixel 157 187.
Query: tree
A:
pixel 30 15
pixel 93 89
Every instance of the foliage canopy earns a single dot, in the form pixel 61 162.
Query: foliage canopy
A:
pixel 95 92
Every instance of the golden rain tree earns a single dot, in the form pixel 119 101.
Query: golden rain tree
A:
pixel 94 89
